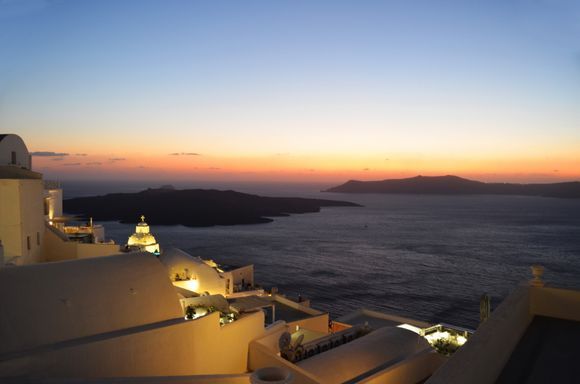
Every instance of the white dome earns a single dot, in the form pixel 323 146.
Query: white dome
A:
pixel 143 239
pixel 13 151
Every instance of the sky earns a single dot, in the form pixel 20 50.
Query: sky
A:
pixel 300 90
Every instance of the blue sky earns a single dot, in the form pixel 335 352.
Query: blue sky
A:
pixel 331 82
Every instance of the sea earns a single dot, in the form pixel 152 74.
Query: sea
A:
pixel 425 257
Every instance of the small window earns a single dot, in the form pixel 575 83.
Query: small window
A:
pixel 13 157
pixel 46 206
pixel 37 238
pixel 28 242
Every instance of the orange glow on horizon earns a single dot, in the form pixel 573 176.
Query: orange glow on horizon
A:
pixel 296 168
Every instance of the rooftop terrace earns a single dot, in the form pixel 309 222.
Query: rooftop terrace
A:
pixel 276 308
pixel 547 353
pixel 532 337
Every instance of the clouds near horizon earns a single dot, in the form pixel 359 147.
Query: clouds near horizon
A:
pixel 48 154
pixel 353 89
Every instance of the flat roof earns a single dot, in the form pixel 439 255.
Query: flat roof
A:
pixel 15 172
pixel 547 353
pixel 362 318
pixel 249 303
pixel 366 356
pixel 283 311
pixel 378 320
pixel 286 313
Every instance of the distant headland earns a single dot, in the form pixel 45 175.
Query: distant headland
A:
pixel 454 185
pixel 193 207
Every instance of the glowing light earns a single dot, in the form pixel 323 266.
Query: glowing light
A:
pixel 440 335
pixel 411 328
pixel 143 239
pixel 192 285
pixel 437 335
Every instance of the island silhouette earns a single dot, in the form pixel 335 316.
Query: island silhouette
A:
pixel 455 185
pixel 193 207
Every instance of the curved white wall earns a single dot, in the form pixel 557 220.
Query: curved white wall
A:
pixel 53 302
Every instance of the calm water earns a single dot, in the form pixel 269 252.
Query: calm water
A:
pixel 426 257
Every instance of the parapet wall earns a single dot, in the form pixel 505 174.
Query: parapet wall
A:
pixel 555 302
pixel 57 247
pixel 173 348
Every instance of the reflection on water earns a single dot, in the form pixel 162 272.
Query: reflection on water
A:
pixel 427 257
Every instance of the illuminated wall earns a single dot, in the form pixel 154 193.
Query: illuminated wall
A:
pixel 238 277
pixel 53 198
pixel 118 316
pixel 21 219
pixel 195 275
pixel 57 247
pixel 183 347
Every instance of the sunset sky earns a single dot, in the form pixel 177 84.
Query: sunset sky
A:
pixel 293 90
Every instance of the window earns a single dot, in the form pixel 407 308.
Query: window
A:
pixel 13 157
pixel 28 242
pixel 46 206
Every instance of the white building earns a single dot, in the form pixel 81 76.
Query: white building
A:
pixel 143 239
pixel 32 225
pixel 13 152
pixel 22 223
pixel 74 307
